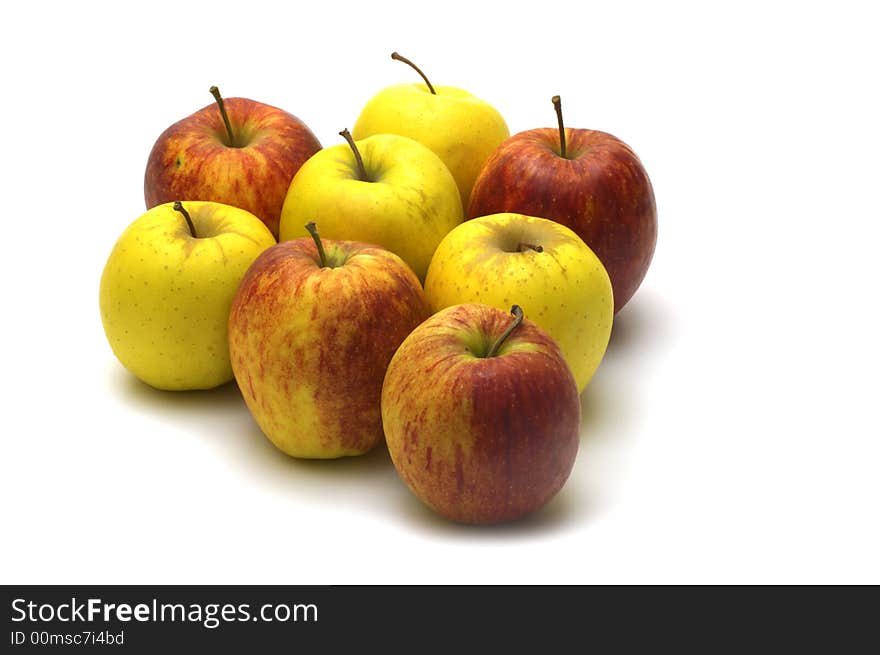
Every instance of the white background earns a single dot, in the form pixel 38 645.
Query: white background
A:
pixel 731 434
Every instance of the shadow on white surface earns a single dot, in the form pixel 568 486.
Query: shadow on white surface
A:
pixel 614 406
pixel 613 399
pixel 340 478
pixel 645 322
pixel 223 399
pixel 220 420
pixel 602 409
pixel 562 513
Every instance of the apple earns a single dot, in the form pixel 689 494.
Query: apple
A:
pixel 238 152
pixel 312 329
pixel 542 265
pixel 167 288
pixel 481 414
pixel 587 180
pixel 386 189
pixel 459 127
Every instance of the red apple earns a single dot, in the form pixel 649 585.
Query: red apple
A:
pixel 587 180
pixel 481 414
pixel 311 331
pixel 237 151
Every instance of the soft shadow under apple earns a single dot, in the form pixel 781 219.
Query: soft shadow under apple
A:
pixel 353 482
pixel 562 513
pixel 213 405
pixel 220 419
pixel 645 322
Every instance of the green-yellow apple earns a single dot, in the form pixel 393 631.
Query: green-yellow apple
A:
pixel 311 332
pixel 587 180
pixel 542 265
pixel 481 414
pixel 462 129
pixel 237 151
pixel 167 288
pixel 386 189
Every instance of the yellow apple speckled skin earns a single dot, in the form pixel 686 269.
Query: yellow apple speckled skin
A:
pixel 564 289
pixel 460 128
pixel 165 295
pixel 408 205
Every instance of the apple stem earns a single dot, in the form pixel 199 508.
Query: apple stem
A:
pixel 178 207
pixel 313 230
pixel 530 246
pixel 397 57
pixel 517 313
pixel 216 93
pixel 557 104
pixel 362 172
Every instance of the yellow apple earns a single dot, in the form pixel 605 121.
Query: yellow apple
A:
pixel 386 189
pixel 460 128
pixel 544 267
pixel 167 288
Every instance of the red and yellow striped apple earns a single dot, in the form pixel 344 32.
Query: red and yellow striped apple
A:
pixel 481 414
pixel 311 332
pixel 237 151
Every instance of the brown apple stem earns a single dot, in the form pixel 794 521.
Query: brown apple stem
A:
pixel 529 246
pixel 178 207
pixel 362 172
pixel 557 104
pixel 397 57
pixel 313 230
pixel 517 312
pixel 216 93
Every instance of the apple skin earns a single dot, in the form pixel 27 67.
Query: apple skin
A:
pixel 460 128
pixel 600 190
pixel 165 295
pixel 191 159
pixel 411 203
pixel 310 344
pixel 564 289
pixel 480 439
